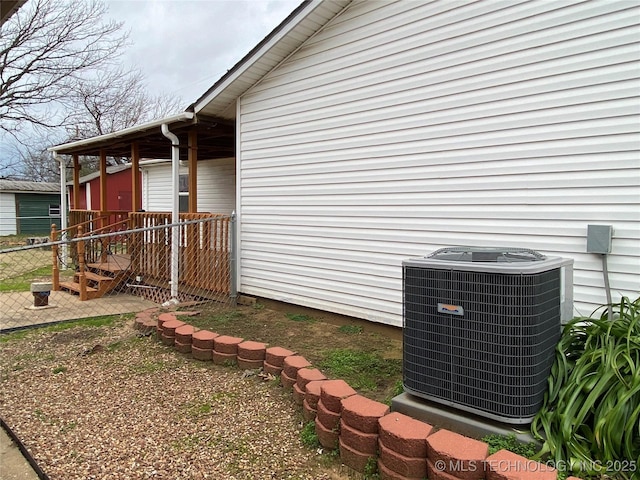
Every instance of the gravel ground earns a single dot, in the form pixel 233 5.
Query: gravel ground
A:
pixel 103 403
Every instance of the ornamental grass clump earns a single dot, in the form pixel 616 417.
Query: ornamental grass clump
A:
pixel 590 419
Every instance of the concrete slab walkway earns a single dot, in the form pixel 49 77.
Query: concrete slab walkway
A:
pixel 13 465
pixel 17 311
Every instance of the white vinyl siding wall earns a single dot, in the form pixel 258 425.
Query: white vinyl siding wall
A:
pixel 403 127
pixel 157 187
pixel 216 186
pixel 7 214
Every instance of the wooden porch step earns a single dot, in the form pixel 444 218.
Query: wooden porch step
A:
pixel 95 277
pixel 108 267
pixel 115 263
pixel 75 287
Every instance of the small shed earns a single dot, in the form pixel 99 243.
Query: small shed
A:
pixel 28 207
pixel 119 188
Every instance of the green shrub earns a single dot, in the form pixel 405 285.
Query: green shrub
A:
pixel 591 413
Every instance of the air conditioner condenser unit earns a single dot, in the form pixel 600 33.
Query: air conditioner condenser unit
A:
pixel 481 326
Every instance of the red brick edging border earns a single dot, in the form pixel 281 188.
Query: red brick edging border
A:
pixel 365 431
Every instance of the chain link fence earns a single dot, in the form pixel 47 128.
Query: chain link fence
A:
pixel 33 226
pixel 140 262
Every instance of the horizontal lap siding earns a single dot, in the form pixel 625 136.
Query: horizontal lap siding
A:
pixel 7 214
pixel 216 186
pixel 407 126
pixel 157 187
pixel 33 212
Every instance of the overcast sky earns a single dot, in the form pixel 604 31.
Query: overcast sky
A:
pixel 184 46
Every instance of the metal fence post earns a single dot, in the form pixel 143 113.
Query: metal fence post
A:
pixel 55 272
pixel 233 260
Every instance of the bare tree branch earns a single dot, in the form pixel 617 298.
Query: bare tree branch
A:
pixel 31 162
pixel 60 81
pixel 45 49
pixel 114 100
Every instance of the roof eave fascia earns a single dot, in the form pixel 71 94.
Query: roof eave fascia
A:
pixel 239 69
pixel 153 161
pixel 67 147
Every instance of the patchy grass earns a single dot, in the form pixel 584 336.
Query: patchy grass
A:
pixel 308 435
pixel 398 388
pixel 14 336
pixel 190 442
pixel 199 409
pixel 228 317
pixel 102 321
pixel 367 356
pixel 21 282
pixel 510 442
pixel 20 268
pixel 351 329
pixel 299 317
pixel 371 469
pixel 148 367
pixel 361 369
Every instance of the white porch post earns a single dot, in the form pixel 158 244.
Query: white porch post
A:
pixel 63 206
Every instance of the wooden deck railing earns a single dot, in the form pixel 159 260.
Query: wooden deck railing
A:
pixel 94 222
pixel 116 243
pixel 75 230
pixel 203 250
pixel 96 218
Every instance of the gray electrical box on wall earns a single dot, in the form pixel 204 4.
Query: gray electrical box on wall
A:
pixel 599 239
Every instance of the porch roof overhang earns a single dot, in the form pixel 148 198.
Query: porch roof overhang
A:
pixel 216 139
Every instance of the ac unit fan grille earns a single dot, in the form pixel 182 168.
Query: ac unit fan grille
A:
pixel 495 358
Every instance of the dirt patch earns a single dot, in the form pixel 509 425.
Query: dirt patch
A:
pixel 367 355
pixel 130 398
pixel 137 409
pixel 65 337
pixel 11 241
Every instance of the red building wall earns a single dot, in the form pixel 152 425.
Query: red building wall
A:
pixel 118 193
pixel 82 203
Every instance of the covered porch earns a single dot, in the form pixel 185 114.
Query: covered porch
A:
pixel 187 139
pixel 106 245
